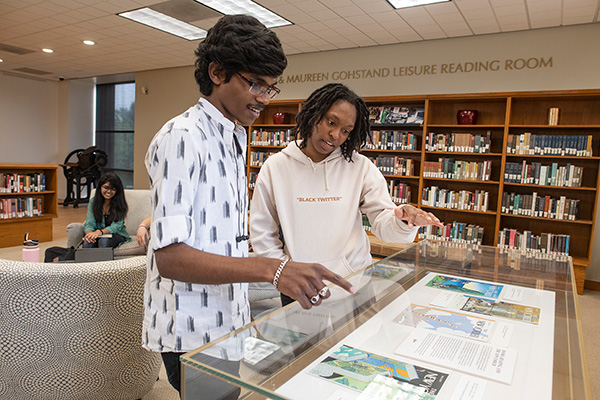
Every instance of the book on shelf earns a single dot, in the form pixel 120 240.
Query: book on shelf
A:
pixel 458 142
pixel 450 168
pixel 560 145
pixel 457 232
pixel 568 175
pixel 391 140
pixel 476 200
pixel 22 207
pixel 394 165
pixel 535 205
pixel 262 137
pixel 548 243
pixel 258 158
pixel 399 192
pixel 22 183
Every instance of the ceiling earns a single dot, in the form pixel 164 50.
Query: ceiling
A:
pixel 124 46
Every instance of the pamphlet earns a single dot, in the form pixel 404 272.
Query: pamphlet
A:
pixel 484 360
pixel 474 288
pixel 502 309
pixel 356 369
pixel 446 322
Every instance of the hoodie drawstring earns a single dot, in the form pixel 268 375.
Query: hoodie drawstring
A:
pixel 326 181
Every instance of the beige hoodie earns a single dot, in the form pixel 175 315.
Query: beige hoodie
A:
pixel 319 208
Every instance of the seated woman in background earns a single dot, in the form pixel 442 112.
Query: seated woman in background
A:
pixel 106 214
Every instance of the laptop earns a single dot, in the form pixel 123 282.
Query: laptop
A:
pixel 94 254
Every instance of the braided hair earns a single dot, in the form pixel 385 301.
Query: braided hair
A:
pixel 316 106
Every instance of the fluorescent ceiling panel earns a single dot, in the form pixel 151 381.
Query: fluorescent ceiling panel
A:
pixel 230 7
pixel 165 23
pixel 412 3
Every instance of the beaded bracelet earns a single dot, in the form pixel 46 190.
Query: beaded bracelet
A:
pixel 278 273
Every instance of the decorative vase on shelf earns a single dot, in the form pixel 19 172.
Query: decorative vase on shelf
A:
pixel 467 117
pixel 281 118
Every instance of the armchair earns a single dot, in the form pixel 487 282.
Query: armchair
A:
pixel 74 331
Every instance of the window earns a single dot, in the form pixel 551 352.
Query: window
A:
pixel 115 109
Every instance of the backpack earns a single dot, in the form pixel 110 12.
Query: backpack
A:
pixel 57 253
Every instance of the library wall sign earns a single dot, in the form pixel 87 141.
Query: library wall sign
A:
pixel 403 71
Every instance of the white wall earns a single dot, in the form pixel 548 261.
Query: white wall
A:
pixel 28 121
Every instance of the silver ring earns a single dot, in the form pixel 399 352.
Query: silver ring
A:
pixel 315 298
pixel 323 292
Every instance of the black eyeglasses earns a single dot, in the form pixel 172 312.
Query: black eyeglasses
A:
pixel 108 188
pixel 258 90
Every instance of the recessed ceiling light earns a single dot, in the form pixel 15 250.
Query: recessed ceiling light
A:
pixel 165 23
pixel 89 42
pixel 1 60
pixel 413 3
pixel 48 50
pixel 248 7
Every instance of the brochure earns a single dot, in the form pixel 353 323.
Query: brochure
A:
pixel 446 322
pixel 465 286
pixel 502 309
pixel 357 368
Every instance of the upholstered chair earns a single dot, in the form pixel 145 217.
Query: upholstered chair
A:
pixel 74 331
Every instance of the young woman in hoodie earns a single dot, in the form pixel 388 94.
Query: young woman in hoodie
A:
pixel 309 198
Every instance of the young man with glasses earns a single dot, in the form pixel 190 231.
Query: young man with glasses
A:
pixel 197 260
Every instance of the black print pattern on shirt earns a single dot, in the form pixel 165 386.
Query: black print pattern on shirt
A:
pixel 199 191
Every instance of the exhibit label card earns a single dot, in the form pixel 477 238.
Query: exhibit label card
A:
pixel 466 286
pixel 469 388
pixel 484 360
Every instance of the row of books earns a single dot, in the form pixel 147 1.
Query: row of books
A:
pixel 394 165
pixel 534 205
pixel 396 115
pixel 270 138
pixel 560 145
pixel 433 196
pixel 391 140
pixel 550 243
pixel 258 158
pixel 458 142
pixel 22 183
pixel 546 175
pixel 399 192
pixel 449 168
pixel 20 207
pixel 459 232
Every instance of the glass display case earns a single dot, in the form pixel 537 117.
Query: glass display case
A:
pixel 437 320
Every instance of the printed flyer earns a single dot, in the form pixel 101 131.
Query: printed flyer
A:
pixel 502 309
pixel 465 286
pixel 356 369
pixel 446 322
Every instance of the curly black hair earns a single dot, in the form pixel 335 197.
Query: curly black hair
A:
pixel 239 43
pixel 118 204
pixel 316 106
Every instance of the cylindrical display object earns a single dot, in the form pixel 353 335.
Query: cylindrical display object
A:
pixel 31 249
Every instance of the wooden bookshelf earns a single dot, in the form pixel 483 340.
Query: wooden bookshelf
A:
pixel 499 115
pixel 39 227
